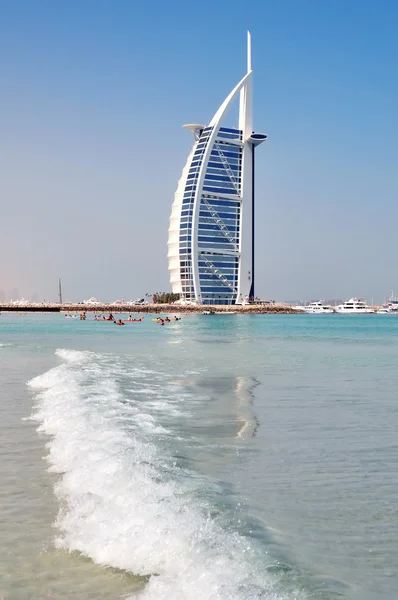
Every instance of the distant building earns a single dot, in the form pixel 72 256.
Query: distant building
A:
pixel 211 233
pixel 14 294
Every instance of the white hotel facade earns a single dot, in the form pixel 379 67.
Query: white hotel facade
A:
pixel 211 232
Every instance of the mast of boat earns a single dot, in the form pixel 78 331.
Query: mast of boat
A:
pixel 59 291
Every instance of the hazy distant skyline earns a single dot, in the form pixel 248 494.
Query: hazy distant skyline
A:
pixel 93 97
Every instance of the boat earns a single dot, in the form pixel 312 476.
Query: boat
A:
pixel 392 303
pixel 91 301
pixel 383 310
pixel 353 306
pixel 317 308
pixel 21 302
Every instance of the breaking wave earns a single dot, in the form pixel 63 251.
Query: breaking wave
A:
pixel 125 501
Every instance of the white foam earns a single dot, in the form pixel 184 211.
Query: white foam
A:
pixel 122 504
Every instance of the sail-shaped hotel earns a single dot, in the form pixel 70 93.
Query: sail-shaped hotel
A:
pixel 211 233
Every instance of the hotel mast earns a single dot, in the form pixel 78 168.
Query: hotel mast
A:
pixel 211 232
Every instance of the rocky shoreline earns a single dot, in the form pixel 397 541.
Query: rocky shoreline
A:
pixel 258 309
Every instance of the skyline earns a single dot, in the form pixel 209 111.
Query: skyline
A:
pixel 92 145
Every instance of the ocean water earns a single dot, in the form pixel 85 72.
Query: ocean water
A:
pixel 216 458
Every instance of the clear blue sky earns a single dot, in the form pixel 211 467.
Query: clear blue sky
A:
pixel 92 98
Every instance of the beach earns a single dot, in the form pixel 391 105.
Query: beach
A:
pixel 218 457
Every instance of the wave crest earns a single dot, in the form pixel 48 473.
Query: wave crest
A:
pixel 124 502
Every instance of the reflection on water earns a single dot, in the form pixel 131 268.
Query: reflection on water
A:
pixel 244 403
pixel 228 397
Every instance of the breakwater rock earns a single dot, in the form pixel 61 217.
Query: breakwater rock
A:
pixel 260 309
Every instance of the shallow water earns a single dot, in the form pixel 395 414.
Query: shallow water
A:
pixel 220 457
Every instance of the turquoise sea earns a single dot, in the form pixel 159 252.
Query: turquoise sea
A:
pixel 216 458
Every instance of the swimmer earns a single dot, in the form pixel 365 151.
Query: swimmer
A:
pixel 119 322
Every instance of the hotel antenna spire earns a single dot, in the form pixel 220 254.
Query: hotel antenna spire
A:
pixel 249 52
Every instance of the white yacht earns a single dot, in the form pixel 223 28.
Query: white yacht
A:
pixel 21 302
pixel 353 306
pixel 317 308
pixel 393 303
pixel 91 301
pixel 383 310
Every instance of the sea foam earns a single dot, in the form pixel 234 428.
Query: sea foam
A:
pixel 123 503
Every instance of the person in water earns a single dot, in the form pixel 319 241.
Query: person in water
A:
pixel 167 320
pixel 119 322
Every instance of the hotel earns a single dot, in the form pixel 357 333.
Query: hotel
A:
pixel 211 232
